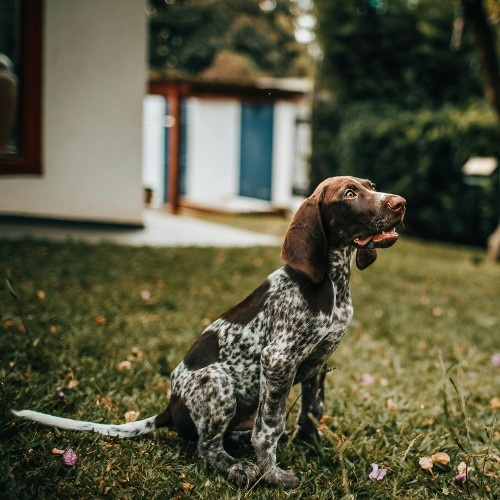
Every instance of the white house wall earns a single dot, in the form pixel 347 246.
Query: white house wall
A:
pixel 153 151
pixel 213 138
pixel 94 80
pixel 283 153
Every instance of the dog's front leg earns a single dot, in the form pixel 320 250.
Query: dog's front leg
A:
pixel 277 375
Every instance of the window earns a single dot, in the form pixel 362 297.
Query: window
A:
pixel 20 86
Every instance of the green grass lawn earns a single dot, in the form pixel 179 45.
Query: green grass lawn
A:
pixel 413 377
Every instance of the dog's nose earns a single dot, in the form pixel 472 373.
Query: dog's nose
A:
pixel 396 203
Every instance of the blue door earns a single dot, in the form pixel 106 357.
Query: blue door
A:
pixel 256 154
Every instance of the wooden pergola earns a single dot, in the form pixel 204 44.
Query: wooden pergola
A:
pixel 174 91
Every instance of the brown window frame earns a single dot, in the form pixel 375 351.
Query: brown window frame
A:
pixel 29 160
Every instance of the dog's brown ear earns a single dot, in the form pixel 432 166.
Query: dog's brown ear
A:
pixel 365 257
pixel 305 248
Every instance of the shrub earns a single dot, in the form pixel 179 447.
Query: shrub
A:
pixel 418 154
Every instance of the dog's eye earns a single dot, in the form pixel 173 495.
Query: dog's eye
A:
pixel 350 194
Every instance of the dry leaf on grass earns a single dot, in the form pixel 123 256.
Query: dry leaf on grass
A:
pixel 100 320
pixel 441 457
pixel 131 416
pixel 495 403
pixel 72 384
pixel 392 405
pixel 124 366
pixel 426 463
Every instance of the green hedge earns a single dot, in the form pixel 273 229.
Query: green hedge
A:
pixel 417 154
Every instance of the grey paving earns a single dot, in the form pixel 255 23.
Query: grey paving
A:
pixel 161 230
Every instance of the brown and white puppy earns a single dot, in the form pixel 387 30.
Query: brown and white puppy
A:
pixel 238 374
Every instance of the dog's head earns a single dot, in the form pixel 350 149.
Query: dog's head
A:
pixel 342 211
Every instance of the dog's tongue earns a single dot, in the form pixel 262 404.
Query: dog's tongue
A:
pixel 377 238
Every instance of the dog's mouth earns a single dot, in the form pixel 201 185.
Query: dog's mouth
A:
pixel 381 240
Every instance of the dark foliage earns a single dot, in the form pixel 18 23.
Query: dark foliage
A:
pixel 187 35
pixel 398 105
pixel 420 154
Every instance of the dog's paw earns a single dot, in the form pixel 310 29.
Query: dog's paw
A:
pixel 306 434
pixel 243 473
pixel 277 477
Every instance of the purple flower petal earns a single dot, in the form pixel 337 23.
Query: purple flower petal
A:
pixel 495 359
pixel 70 458
pixel 377 474
pixel 460 478
pixel 59 392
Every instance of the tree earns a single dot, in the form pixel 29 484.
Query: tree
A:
pixel 220 39
pixel 394 50
pixel 475 17
pixel 396 104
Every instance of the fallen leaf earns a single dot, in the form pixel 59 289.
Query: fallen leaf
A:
pixel 104 402
pixel 40 294
pixel 437 312
pixel 441 457
pixel 495 403
pixel 56 451
pixel 145 295
pixel 100 320
pixel 124 366
pixel 187 486
pixel 72 384
pixel 384 382
pixel 426 463
pixel 392 405
pixel 137 353
pixel 488 472
pixel 131 416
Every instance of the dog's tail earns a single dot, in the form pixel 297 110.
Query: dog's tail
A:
pixel 121 430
